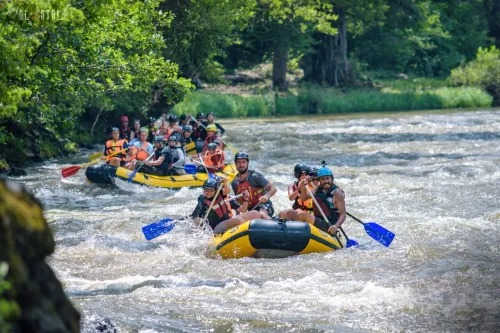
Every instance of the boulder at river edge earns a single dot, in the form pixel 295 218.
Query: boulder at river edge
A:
pixel 31 297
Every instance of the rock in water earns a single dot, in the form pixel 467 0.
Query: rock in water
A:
pixel 32 298
pixel 16 172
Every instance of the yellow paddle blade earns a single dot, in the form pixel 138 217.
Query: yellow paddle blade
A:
pixel 191 148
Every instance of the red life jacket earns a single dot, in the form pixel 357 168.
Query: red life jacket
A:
pixel 220 208
pixel 255 193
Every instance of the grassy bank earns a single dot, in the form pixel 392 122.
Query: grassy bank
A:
pixel 391 96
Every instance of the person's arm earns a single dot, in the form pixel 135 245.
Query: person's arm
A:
pixel 244 206
pixel 304 194
pixel 221 129
pixel 159 161
pixel 149 149
pixel 225 190
pixel 293 192
pixel 338 196
pixel 198 212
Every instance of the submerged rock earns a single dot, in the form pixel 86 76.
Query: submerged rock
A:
pixel 31 297
pixel 16 172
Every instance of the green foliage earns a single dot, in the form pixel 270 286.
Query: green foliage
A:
pixel 483 72
pixel 97 54
pixel 423 37
pixel 201 30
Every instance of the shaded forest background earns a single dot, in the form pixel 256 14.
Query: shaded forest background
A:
pixel 67 63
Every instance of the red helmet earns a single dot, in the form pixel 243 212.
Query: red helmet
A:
pixel 124 118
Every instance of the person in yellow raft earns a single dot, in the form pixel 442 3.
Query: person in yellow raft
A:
pixel 221 215
pixel 113 145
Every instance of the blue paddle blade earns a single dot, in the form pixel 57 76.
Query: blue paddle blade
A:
pixel 190 169
pixel 157 229
pixel 210 175
pixel 379 233
pixel 132 175
pixel 351 242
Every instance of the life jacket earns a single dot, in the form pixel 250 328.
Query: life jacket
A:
pixel 124 133
pixel 210 140
pixel 326 202
pixel 132 154
pixel 221 210
pixel 255 193
pixel 207 159
pixel 142 153
pixel 152 133
pixel 114 146
pixel 306 206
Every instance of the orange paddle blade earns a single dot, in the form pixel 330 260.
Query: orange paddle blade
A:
pixel 70 171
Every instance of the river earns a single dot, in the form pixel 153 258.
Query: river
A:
pixel 433 178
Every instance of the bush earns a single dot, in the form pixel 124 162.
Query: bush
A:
pixel 483 72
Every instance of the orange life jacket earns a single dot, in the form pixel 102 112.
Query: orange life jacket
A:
pixel 255 193
pixel 132 151
pixel 114 146
pixel 222 209
pixel 207 159
pixel 306 206
pixel 142 153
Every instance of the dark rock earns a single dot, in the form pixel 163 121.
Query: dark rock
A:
pixel 16 172
pixel 106 326
pixel 35 300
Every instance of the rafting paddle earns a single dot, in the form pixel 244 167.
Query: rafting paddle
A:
pixel 70 171
pixel 95 155
pixel 377 232
pixel 132 175
pixel 157 229
pixel 190 169
pixel 350 242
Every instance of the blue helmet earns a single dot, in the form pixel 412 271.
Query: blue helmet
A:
pixel 324 171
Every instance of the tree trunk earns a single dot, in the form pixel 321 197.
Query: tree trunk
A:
pixel 328 64
pixel 95 122
pixel 280 61
pixel 493 15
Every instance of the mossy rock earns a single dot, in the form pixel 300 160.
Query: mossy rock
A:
pixel 33 299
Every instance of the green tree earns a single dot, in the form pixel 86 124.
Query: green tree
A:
pixel 201 31
pixel 97 53
pixel 329 63
pixel 484 72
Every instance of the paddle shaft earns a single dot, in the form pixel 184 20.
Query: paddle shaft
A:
pixel 213 201
pixel 233 198
pixel 319 207
pixel 203 163
pixel 356 219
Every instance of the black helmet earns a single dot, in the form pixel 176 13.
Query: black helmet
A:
pixel 183 117
pixel 158 138
pixel 299 168
pixel 188 128
pixel 212 146
pixel 115 129
pixel 200 115
pixel 210 114
pixel 313 171
pixel 152 119
pixel 210 183
pixel 241 154
pixel 172 118
pixel 173 137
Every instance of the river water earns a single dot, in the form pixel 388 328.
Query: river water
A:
pixel 431 178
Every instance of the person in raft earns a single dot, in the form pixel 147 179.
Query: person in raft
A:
pixel 162 159
pixel 221 217
pixel 330 198
pixel 259 188
pixel 115 144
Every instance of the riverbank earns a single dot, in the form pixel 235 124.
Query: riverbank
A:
pixel 28 144
pixel 386 97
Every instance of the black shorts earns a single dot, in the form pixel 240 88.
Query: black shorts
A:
pixel 151 170
pixel 268 207
pixel 320 224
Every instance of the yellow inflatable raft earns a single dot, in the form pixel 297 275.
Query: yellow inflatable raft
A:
pixel 274 239
pixel 105 174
